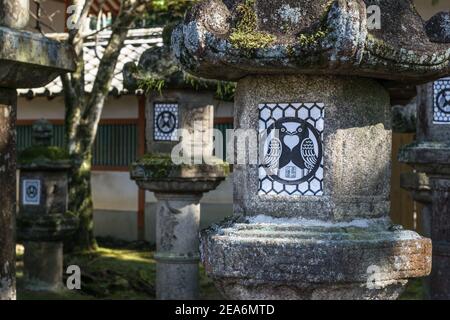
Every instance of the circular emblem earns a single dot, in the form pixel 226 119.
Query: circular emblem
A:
pixel 292 151
pixel 166 122
pixel 32 192
pixel 443 101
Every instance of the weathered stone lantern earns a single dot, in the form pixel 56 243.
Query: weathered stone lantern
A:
pixel 430 156
pixel 43 221
pixel 177 187
pixel 26 60
pixel 312 218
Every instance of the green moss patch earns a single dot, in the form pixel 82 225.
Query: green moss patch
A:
pixel 110 273
pixel 160 166
pixel 245 35
pixel 321 31
pixel 42 153
pixel 312 39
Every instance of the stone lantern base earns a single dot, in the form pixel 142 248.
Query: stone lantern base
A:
pixel 43 266
pixel 43 258
pixel 267 258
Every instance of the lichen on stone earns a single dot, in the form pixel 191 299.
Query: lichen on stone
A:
pixel 245 35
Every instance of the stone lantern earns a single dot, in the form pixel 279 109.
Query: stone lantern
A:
pixel 177 115
pixel 43 221
pixel 311 218
pixel 27 60
pixel 430 185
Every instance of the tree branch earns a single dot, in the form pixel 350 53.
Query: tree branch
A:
pixel 130 11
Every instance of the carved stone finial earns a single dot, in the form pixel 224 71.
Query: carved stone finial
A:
pixel 438 28
pixel 42 133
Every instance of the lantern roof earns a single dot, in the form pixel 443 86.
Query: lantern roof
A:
pixel 231 39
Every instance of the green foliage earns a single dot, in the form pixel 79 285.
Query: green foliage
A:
pixel 245 36
pixel 149 85
pixel 42 153
pixel 225 90
pixel 156 83
pixel 414 290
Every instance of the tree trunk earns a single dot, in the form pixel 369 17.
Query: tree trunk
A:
pixel 83 112
pixel 80 201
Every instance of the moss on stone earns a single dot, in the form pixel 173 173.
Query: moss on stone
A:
pixel 308 39
pixel 245 36
pixel 160 166
pixel 311 39
pixel 151 159
pixel 42 153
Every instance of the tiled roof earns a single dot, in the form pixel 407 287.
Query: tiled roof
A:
pixel 137 42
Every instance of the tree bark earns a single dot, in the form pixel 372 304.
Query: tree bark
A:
pixel 8 105
pixel 83 112
pixel 80 201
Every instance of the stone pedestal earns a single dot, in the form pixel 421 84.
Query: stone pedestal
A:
pixel 430 156
pixel 8 101
pixel 26 60
pixel 179 143
pixel 326 233
pixel 311 217
pixel 43 220
pixel 178 189
pixel 43 266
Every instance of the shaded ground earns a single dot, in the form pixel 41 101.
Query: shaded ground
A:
pixel 128 272
pixel 119 273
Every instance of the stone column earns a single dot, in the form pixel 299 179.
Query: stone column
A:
pixel 178 120
pixel 8 101
pixel 178 189
pixel 430 156
pixel 177 223
pixel 43 265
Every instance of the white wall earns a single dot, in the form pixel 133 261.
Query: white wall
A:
pixel 123 107
pixel 114 191
pixel 40 108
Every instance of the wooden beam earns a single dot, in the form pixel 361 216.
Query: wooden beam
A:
pixel 224 120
